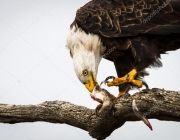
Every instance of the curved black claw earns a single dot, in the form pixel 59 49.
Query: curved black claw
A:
pixel 106 80
pixel 145 84
pixel 140 115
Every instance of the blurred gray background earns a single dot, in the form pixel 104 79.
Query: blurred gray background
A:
pixel 35 66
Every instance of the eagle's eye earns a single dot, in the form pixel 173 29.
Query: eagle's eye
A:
pixel 85 72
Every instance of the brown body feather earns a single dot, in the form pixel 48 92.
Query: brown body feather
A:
pixel 140 30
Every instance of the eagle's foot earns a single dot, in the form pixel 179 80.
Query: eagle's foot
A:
pixel 128 78
pixel 104 98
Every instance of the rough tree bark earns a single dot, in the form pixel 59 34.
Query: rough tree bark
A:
pixel 154 103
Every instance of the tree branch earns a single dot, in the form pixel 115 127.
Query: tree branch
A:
pixel 155 103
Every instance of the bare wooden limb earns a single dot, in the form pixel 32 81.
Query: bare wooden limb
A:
pixel 155 103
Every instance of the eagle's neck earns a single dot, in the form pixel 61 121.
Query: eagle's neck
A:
pixel 86 49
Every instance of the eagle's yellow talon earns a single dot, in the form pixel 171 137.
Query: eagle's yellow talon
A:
pixel 128 78
pixel 138 83
pixel 117 81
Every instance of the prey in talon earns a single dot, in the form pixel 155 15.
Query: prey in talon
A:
pixel 104 98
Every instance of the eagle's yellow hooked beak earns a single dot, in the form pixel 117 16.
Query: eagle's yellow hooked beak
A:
pixel 92 82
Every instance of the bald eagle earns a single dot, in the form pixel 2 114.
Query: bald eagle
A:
pixel 130 33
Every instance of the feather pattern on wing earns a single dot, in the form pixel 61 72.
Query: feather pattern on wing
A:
pixel 139 30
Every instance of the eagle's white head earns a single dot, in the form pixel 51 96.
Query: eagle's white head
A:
pixel 86 51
